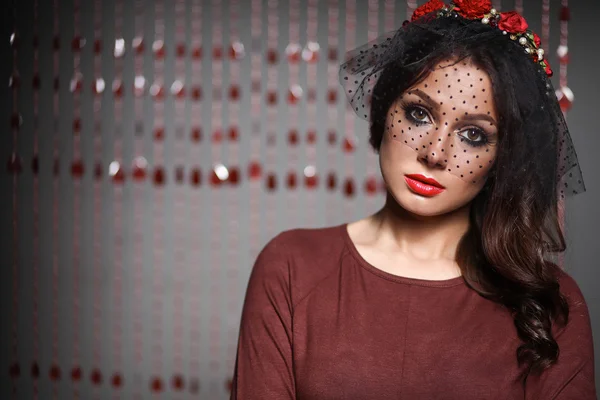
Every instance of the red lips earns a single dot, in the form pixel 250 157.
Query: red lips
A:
pixel 424 179
pixel 423 185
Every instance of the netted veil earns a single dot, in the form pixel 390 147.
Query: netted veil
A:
pixel 414 43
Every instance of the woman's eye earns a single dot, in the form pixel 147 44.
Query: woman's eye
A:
pixel 419 114
pixel 472 135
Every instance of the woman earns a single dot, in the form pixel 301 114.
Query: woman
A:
pixel 447 291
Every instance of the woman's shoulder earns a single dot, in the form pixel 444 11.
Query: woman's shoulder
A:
pixel 570 289
pixel 305 242
pixel 577 331
pixel 302 241
pixel 301 256
pixel 572 376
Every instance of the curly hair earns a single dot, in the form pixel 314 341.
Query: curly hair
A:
pixel 514 223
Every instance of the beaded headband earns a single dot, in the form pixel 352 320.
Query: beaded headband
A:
pixel 510 23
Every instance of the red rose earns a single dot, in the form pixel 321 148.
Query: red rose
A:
pixel 537 40
pixel 548 69
pixel 472 9
pixel 431 5
pixel 512 22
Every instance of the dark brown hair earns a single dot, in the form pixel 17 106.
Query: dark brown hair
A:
pixel 514 223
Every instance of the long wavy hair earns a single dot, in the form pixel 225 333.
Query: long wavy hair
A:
pixel 514 223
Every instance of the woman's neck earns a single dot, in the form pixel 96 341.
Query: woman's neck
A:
pixel 427 238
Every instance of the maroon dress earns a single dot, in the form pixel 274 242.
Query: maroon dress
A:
pixel 319 322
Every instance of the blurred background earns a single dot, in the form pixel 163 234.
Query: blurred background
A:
pixel 151 148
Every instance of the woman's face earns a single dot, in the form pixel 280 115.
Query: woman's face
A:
pixel 440 140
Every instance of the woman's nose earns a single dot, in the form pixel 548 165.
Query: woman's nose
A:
pixel 433 151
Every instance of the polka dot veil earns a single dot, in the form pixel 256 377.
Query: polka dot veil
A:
pixel 428 85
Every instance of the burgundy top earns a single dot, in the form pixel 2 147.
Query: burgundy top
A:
pixel 320 322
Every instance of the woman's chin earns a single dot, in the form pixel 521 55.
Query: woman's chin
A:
pixel 421 205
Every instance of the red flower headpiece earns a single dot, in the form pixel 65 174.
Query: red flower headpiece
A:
pixel 510 23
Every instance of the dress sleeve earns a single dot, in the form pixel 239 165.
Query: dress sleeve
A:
pixel 572 377
pixel 263 367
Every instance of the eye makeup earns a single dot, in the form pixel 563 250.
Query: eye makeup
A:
pixel 419 115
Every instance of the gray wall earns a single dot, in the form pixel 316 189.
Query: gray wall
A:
pixel 145 281
pixel 583 217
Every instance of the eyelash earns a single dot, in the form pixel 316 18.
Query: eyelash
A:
pixel 410 107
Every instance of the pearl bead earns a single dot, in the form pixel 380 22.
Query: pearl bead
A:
pixel 493 11
pixel 523 40
pixel 527 50
pixel 540 52
pixel 485 20
pixel 504 32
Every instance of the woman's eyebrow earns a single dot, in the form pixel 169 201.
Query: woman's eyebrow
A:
pixel 426 98
pixel 472 117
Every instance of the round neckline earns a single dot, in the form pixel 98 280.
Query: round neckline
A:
pixel 389 276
